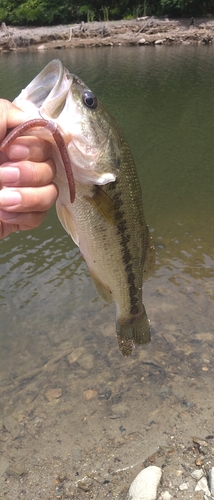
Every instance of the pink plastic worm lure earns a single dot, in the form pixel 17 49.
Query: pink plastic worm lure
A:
pixel 53 129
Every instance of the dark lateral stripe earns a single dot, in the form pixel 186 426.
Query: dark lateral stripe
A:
pixel 124 238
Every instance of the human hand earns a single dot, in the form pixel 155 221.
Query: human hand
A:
pixel 27 173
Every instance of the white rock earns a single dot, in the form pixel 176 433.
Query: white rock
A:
pixel 197 474
pixel 211 480
pixel 144 486
pixel 139 18
pixel 142 41
pixel 158 42
pixel 202 485
pixel 165 496
pixel 184 486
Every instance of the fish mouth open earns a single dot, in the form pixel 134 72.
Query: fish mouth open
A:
pixel 55 95
pixel 48 90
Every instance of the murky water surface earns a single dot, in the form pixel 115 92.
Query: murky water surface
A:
pixel 56 333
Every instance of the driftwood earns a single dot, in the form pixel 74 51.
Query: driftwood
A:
pixel 147 23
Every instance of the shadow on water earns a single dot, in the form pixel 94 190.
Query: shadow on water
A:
pixel 74 402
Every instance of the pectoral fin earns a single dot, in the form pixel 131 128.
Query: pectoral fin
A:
pixel 104 204
pixel 67 222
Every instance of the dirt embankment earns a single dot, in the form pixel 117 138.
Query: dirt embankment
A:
pixel 141 31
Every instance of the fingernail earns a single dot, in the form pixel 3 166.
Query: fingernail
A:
pixel 8 197
pixel 9 174
pixel 18 152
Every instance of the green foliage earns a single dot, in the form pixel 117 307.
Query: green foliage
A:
pixel 145 5
pixel 105 11
pixel 90 14
pixel 28 11
pixel 2 13
pixel 172 5
pixel 42 12
pixel 37 12
pixel 187 7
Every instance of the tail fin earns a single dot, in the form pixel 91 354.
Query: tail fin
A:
pixel 136 330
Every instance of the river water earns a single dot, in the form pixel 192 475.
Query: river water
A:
pixel 55 333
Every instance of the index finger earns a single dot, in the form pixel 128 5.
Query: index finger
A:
pixel 11 116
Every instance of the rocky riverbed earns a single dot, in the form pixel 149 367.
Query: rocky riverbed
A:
pixel 141 31
pixel 71 429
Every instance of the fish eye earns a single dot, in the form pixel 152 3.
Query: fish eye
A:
pixel 90 100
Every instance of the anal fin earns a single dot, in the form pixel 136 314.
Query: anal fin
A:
pixel 102 289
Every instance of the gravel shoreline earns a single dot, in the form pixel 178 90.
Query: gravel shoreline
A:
pixel 141 31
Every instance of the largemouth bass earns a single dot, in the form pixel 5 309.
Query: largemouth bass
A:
pixel 106 219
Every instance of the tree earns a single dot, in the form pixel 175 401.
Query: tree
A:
pixel 66 11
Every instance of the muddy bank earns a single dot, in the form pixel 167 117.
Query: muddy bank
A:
pixel 141 31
